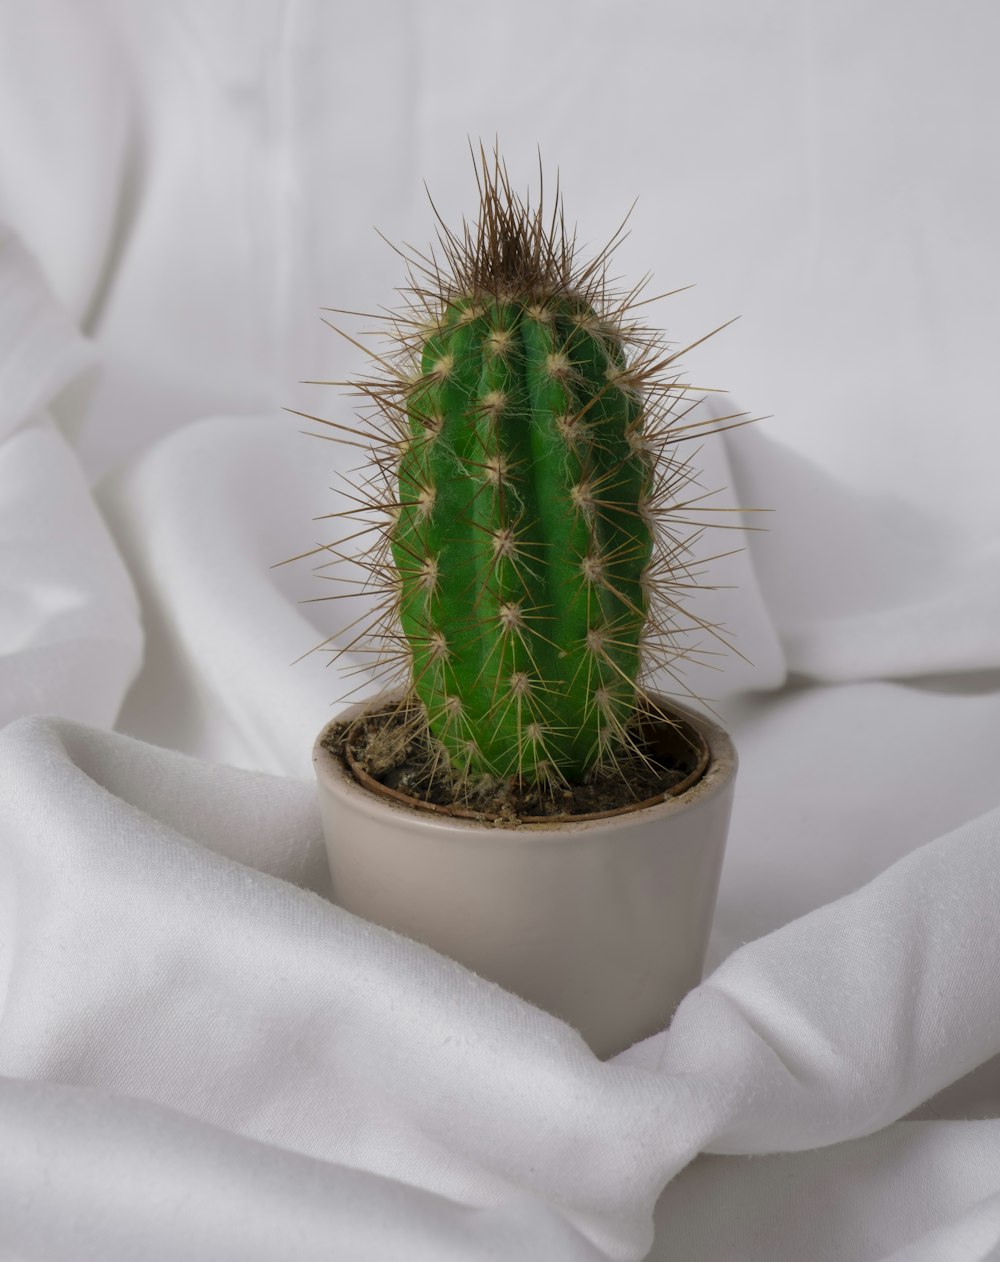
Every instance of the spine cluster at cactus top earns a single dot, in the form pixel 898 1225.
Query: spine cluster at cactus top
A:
pixel 532 523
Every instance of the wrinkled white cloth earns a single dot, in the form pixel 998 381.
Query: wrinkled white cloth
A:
pixel 172 949
pixel 201 1056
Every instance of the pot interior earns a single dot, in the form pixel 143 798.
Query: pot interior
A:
pixel 668 738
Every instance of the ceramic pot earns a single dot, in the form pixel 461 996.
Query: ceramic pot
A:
pixel 601 920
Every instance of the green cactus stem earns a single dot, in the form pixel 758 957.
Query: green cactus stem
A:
pixel 520 541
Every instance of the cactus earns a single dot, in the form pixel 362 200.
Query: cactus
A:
pixel 520 541
pixel 533 539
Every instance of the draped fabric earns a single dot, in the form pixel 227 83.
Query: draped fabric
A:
pixel 201 1056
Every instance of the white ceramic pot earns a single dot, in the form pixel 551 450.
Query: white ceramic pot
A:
pixel 603 921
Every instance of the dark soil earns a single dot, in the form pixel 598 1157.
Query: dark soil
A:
pixel 393 748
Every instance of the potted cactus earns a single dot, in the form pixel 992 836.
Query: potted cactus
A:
pixel 521 796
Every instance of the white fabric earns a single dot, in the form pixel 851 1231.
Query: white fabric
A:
pixel 166 951
pixel 69 622
pixel 200 1055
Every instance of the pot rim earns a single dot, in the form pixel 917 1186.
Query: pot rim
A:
pixel 719 769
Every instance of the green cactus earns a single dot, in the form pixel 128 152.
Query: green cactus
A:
pixel 534 542
pixel 520 540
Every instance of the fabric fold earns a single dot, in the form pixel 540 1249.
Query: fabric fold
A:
pixel 41 349
pixel 866 586
pixel 167 948
pixel 70 639
pixel 201 1193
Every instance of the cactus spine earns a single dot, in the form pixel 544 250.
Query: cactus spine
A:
pixel 533 545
